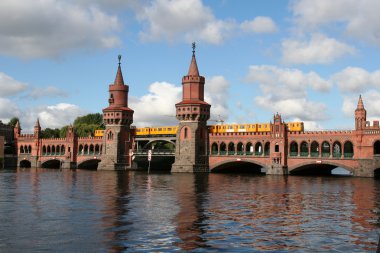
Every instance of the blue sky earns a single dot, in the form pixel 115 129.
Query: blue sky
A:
pixel 308 60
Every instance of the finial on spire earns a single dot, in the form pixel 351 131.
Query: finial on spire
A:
pixel 119 57
pixel 193 46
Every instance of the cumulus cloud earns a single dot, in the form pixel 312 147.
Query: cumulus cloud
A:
pixel 354 79
pixel 216 92
pixel 371 100
pixel 32 29
pixel 359 18
pixel 156 107
pixel 8 109
pixel 10 86
pixel 259 25
pixel 285 91
pixel 320 49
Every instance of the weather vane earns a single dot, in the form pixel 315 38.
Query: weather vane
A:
pixel 193 46
pixel 119 57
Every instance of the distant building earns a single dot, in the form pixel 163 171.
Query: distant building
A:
pixel 7 132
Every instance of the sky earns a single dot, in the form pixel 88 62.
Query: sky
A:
pixel 307 60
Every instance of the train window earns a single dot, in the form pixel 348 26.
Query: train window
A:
pixel 159 129
pixel 241 126
pixel 259 126
pixel 169 128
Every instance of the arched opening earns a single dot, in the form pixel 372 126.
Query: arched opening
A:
pixel 91 149
pixel 48 150
pixel 29 149
pixel 25 164
pixel 53 150
pixel 240 148
pixel 267 149
pixel 80 149
pixel 97 150
pixel 293 148
pixel 249 148
pixel 85 150
pixel 160 146
pixel 377 173
pixel 239 167
pixel 320 170
pixel 348 149
pixel 62 150
pixel 91 164
pixel 214 149
pixel 110 135
pixel 258 149
pixel 43 150
pixel 314 149
pixel 52 164
pixel 223 149
pixel 376 148
pixel 304 149
pixel 325 149
pixel 231 148
pixel 185 135
pixel 58 150
pixel 337 150
pixel 21 149
pixel 276 148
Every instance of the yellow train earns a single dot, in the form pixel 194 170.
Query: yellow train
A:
pixel 99 133
pixel 226 128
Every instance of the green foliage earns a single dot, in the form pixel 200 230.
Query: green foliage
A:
pixel 89 119
pixel 85 130
pixel 50 133
pixel 13 121
pixel 63 132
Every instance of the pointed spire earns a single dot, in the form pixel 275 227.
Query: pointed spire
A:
pixel 360 103
pixel 37 123
pixel 193 69
pixel 17 124
pixel 119 76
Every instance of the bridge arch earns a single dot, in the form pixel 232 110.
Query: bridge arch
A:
pixel 312 168
pixel 89 164
pixel 377 173
pixel 160 144
pixel 376 148
pixel 52 164
pixel 243 165
pixel 25 164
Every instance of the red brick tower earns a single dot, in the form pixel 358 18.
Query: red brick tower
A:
pixel 37 139
pixel 360 115
pixel 118 119
pixel 192 112
pixel 279 143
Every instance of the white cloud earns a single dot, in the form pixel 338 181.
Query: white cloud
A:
pixel 285 91
pixel 371 100
pixel 320 49
pixel 354 79
pixel 259 25
pixel 49 91
pixel 8 109
pixel 182 19
pixel 359 18
pixel 51 116
pixel 157 107
pixel 216 92
pixel 10 86
pixel 32 29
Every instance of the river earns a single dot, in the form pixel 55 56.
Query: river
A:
pixel 108 211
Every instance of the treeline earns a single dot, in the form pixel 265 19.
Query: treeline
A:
pixel 84 126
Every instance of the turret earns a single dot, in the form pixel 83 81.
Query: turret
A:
pixel 17 130
pixel 360 115
pixel 37 129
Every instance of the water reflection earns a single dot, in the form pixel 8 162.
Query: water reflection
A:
pixel 107 211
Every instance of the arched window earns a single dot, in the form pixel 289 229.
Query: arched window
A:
pixel 85 149
pixel 48 150
pixel 276 148
pixel 267 149
pixel 376 148
pixel 97 151
pixel 304 149
pixel 325 149
pixel 80 149
pixel 348 149
pixel 231 148
pixel 249 148
pixel 43 150
pixel 21 149
pixel 29 149
pixel 337 149
pixel 240 148
pixel 62 150
pixel 53 150
pixel 214 149
pixel 185 133
pixel 258 148
pixel 223 149
pixel 91 149
pixel 293 149
pixel 58 150
pixel 314 149
pixel 110 135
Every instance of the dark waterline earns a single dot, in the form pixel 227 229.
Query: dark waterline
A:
pixel 101 211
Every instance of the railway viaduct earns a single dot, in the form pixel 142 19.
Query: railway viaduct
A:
pixel 278 151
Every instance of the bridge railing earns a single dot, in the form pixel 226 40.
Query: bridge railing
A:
pixel 154 151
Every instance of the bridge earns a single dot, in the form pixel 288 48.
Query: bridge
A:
pixel 275 148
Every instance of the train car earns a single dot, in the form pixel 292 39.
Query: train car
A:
pixel 99 133
pixel 263 127
pixel 165 130
pixel 142 131
pixel 295 126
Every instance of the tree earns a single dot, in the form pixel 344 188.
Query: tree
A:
pixel 89 119
pixel 13 121
pixel 50 133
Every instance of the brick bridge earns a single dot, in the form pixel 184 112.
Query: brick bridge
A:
pixel 277 151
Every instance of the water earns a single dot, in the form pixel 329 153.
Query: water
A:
pixel 100 211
